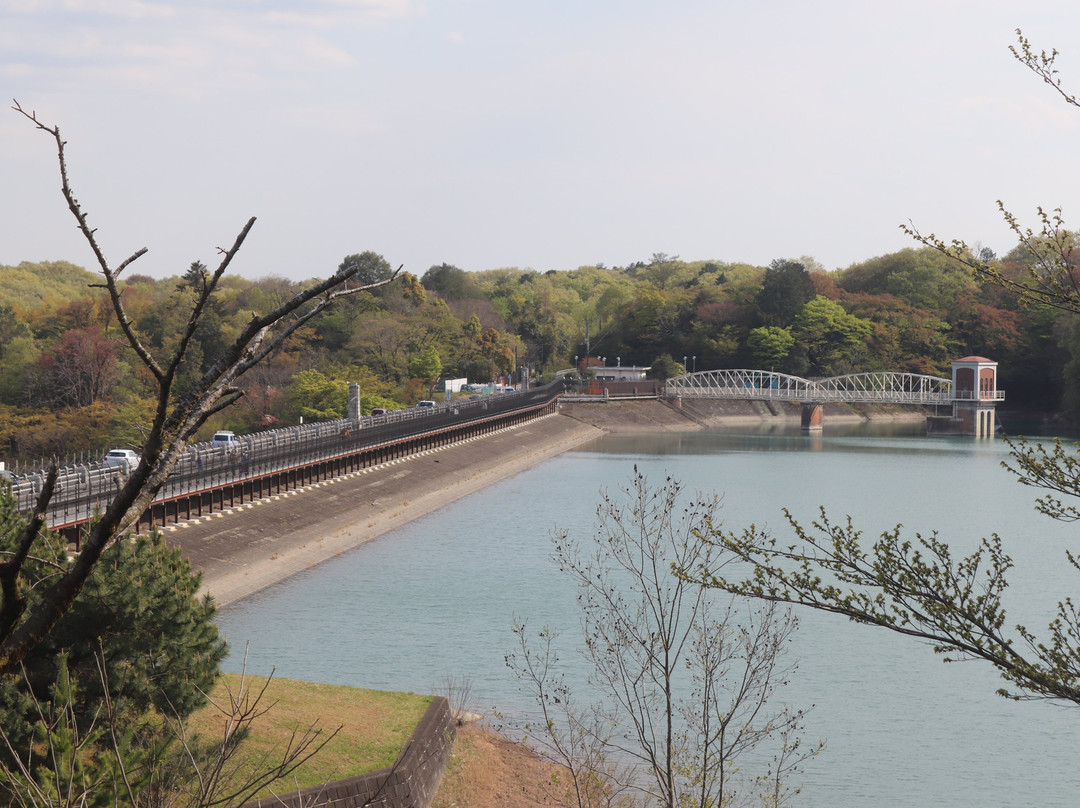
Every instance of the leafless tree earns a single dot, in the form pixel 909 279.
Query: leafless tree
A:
pixel 176 417
pixel 685 685
pixel 737 665
pixel 216 776
pixel 914 585
pixel 576 737
pixel 81 766
pixel 1049 277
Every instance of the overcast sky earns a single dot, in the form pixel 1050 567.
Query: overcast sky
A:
pixel 543 134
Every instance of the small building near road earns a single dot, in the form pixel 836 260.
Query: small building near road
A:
pixel 620 373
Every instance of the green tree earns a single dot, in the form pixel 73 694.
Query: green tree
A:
pixel 11 327
pixel 665 367
pixel 451 283
pixel 830 337
pixel 485 352
pixel 787 287
pixel 28 617
pixel 28 286
pixel 914 586
pixel 165 326
pixel 368 268
pixel 770 346
pixel 156 760
pixel 317 397
pixel 196 277
pixel 906 338
pixel 922 278
pixel 19 354
pixel 382 342
pixel 427 366
pixel 138 625
pixel 663 270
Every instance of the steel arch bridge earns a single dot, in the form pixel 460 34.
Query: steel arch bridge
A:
pixel 884 387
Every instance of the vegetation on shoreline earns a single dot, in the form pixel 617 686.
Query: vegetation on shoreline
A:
pixel 69 385
pixel 88 360
pixel 374 726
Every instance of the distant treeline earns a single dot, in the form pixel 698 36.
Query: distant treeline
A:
pixel 68 385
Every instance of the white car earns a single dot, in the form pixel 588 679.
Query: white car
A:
pixel 224 437
pixel 124 458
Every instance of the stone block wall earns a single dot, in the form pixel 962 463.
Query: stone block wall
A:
pixel 410 783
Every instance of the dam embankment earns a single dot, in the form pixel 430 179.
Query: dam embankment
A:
pixel 245 549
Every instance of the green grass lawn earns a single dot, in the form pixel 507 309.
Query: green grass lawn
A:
pixel 374 725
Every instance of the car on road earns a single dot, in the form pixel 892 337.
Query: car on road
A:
pixel 224 437
pixel 426 404
pixel 378 411
pixel 122 458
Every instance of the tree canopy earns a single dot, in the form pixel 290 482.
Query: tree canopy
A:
pixel 915 586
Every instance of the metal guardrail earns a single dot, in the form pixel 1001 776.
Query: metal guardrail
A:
pixel 83 489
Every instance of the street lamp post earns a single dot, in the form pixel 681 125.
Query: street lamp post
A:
pixel 695 363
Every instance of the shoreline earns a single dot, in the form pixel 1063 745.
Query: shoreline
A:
pixel 278 537
pixel 243 550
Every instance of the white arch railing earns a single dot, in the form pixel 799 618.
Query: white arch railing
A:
pixel 747 384
pixel 885 387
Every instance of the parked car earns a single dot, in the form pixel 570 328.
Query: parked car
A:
pixel 123 458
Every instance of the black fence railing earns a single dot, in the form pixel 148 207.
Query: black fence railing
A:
pixel 85 488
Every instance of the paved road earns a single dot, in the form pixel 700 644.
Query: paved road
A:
pixel 247 548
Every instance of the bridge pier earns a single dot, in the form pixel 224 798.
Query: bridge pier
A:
pixel 968 418
pixel 813 417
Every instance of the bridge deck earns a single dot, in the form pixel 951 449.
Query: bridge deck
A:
pixel 884 387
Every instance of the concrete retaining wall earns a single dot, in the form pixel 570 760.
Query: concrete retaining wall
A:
pixel 410 783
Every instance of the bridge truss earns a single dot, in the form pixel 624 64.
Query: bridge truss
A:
pixel 884 387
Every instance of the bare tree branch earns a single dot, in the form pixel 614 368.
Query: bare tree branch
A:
pixel 220 779
pixel 12 600
pixel 88 233
pixel 1051 277
pixel 1041 64
pixel 684 685
pixel 175 419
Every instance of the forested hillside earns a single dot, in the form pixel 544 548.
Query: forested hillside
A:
pixel 68 385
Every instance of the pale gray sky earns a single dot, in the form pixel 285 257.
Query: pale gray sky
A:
pixel 492 133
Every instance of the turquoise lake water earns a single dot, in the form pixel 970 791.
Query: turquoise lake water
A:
pixel 436 599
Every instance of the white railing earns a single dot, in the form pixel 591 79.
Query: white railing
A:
pixel 883 387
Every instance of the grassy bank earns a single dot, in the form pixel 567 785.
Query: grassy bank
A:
pixel 374 726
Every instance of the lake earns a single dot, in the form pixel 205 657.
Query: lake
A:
pixel 435 600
